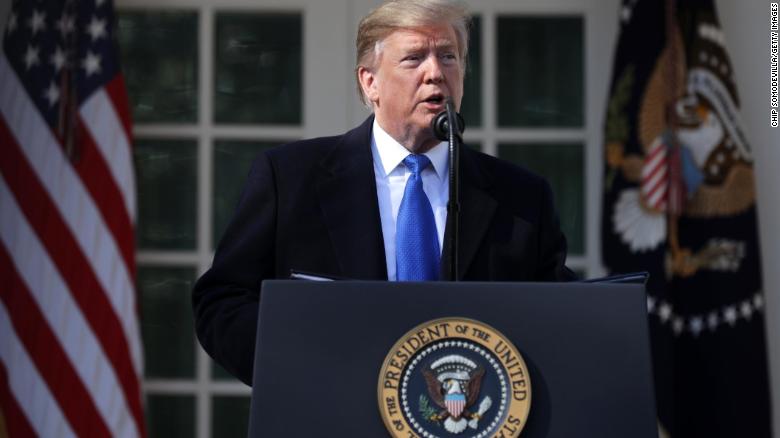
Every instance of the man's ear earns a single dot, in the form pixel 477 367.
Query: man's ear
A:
pixel 368 82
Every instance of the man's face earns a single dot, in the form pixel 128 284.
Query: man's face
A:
pixel 416 70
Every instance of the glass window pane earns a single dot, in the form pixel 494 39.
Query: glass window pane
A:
pixel 160 64
pixel 230 416
pixel 219 373
pixel 471 106
pixel 166 321
pixel 540 71
pixel 258 68
pixel 232 161
pixel 171 416
pixel 475 146
pixel 166 178
pixel 563 166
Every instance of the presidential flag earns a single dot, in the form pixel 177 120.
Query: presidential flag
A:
pixel 680 202
pixel 70 350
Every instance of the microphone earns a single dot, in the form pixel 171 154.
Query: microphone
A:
pixel 440 124
pixel 441 129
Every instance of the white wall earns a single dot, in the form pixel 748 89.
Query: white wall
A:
pixel 746 25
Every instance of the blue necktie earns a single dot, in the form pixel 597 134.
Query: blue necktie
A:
pixel 416 241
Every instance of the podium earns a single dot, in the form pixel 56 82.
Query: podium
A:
pixel 321 346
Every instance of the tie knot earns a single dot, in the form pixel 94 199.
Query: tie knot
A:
pixel 416 163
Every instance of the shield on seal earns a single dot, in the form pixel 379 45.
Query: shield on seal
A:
pixel 455 404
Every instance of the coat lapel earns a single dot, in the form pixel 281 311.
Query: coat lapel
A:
pixel 347 195
pixel 477 208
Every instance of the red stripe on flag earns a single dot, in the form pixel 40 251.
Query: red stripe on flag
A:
pixel 73 266
pixel 658 203
pixel 99 182
pixel 116 90
pixel 661 184
pixel 658 168
pixel 45 351
pixel 657 149
pixel 16 423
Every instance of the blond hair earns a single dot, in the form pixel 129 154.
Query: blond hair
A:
pixel 406 14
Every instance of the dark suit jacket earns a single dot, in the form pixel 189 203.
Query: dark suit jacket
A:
pixel 312 206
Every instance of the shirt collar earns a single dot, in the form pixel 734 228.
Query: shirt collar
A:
pixel 390 153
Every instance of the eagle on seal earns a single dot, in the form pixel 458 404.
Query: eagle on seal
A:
pixel 453 396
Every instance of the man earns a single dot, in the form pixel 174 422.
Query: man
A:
pixel 371 204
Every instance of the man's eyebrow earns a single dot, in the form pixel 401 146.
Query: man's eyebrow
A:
pixel 413 47
pixel 444 44
pixel 439 45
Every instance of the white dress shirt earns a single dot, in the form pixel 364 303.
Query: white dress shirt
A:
pixel 391 174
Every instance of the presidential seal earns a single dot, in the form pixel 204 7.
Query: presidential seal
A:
pixel 454 377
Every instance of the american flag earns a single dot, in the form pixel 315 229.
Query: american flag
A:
pixel 70 351
pixel 655 181
pixel 662 185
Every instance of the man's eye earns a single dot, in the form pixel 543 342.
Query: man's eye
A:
pixel 449 57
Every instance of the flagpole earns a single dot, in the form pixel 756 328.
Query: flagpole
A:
pixel 69 102
pixel 675 201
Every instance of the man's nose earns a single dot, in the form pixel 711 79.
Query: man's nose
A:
pixel 433 71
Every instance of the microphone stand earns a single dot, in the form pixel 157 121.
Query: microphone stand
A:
pixel 440 125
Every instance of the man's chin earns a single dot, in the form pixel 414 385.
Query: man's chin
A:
pixel 424 138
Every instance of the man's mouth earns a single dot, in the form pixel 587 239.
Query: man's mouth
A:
pixel 437 99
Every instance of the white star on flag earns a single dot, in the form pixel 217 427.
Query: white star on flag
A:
pixel 665 312
pixel 52 94
pixel 650 304
pixel 58 59
pixel 712 321
pixel 625 14
pixel 677 325
pixel 746 310
pixel 96 29
pixel 65 25
pixel 12 22
pixel 730 315
pixel 697 325
pixel 758 301
pixel 37 21
pixel 91 63
pixel 31 57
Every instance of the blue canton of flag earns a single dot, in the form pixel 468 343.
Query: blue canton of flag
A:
pixel 61 51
